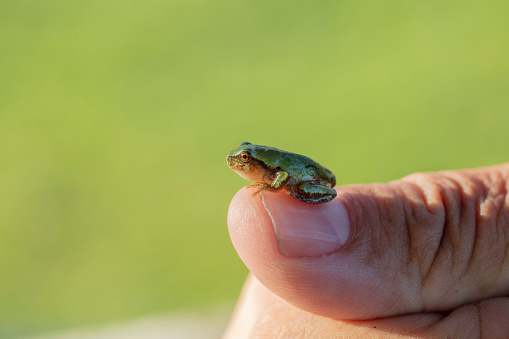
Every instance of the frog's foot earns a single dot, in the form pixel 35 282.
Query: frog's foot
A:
pixel 312 193
pixel 261 186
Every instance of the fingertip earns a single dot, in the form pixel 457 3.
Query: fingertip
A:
pixel 251 230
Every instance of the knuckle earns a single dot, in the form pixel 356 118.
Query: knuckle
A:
pixel 463 246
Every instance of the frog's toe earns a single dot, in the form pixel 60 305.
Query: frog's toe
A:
pixel 258 185
pixel 261 187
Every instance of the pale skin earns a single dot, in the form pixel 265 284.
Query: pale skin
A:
pixel 427 256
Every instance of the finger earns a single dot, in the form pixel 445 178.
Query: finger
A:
pixel 426 243
pixel 262 314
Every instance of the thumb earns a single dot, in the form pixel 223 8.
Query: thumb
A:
pixel 425 243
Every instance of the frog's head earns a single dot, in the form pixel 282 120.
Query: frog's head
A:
pixel 243 160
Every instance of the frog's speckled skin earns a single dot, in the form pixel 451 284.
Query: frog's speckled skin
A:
pixel 273 169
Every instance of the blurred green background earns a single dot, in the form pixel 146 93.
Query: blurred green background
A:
pixel 116 118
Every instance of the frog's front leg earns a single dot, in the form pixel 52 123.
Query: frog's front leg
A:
pixel 312 193
pixel 278 183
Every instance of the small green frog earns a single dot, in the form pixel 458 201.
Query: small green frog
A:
pixel 273 169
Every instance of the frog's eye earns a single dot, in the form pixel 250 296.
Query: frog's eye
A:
pixel 245 157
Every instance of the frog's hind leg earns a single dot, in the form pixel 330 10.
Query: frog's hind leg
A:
pixel 278 180
pixel 311 193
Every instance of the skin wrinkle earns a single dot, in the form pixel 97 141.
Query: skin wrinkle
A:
pixel 418 180
pixel 505 216
pixel 364 220
pixel 413 259
pixel 465 254
pixel 455 227
pixel 487 223
pixel 438 250
pixel 501 230
pixel 452 229
pixel 484 221
pixel 376 245
pixel 439 212
pixel 416 261
pixel 412 244
pixel 387 211
pixel 504 240
pixel 502 216
pixel 447 327
pixel 467 205
pixel 432 239
pixel 501 221
pixel 398 259
pixel 356 207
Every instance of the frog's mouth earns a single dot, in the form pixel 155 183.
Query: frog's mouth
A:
pixel 230 162
pixel 235 164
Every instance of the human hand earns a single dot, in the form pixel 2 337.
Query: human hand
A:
pixel 426 255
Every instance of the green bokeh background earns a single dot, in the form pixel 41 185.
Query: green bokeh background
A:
pixel 116 117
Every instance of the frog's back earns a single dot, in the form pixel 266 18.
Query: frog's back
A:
pixel 298 165
pixel 279 158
